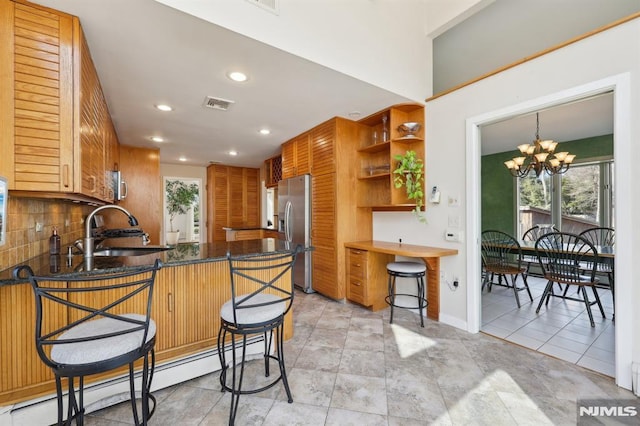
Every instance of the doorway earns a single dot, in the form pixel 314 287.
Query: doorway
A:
pixel 620 85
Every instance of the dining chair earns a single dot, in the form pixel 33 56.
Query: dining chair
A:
pixel 532 234
pixel 502 256
pixel 261 295
pixel 91 324
pixel 603 237
pixel 562 260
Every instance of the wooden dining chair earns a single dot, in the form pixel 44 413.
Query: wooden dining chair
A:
pixel 562 257
pixel 532 234
pixel 603 237
pixel 502 256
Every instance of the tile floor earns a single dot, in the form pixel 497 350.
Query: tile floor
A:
pixel 561 330
pixel 349 366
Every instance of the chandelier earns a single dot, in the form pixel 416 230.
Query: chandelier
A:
pixel 539 156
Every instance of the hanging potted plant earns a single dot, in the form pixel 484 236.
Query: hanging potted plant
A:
pixel 409 173
pixel 180 198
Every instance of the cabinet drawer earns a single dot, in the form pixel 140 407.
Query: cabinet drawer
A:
pixel 357 290
pixel 358 275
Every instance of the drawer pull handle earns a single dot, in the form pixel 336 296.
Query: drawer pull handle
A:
pixel 356 283
pixel 358 265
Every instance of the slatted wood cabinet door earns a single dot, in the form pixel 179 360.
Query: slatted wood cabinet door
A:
pixel 43 89
pixel 233 199
pixel 58 136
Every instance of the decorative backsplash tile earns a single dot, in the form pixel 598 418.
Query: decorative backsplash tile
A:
pixel 24 242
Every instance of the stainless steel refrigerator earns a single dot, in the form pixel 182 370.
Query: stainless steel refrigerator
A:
pixel 294 220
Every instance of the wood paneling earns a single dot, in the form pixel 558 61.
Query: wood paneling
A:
pixel 144 201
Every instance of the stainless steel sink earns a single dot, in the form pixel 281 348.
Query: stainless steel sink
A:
pixel 129 251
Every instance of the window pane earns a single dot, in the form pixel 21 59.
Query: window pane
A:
pixel 534 201
pixel 580 198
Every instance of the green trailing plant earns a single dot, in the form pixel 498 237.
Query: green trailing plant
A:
pixel 410 174
pixel 180 198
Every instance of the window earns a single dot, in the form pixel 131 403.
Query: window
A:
pixel 574 201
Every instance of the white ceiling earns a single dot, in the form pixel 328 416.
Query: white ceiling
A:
pixel 572 121
pixel 147 53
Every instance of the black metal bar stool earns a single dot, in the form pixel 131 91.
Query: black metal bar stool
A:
pixel 109 327
pixel 261 296
pixel 415 270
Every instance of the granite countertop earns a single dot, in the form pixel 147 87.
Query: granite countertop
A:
pixel 181 254
pixel 249 228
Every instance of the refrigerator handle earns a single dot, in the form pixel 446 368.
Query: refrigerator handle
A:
pixel 287 221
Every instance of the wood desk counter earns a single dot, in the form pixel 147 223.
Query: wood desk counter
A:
pixel 381 252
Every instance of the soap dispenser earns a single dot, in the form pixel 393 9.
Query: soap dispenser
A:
pixel 54 242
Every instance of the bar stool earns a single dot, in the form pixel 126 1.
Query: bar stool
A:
pixel 110 327
pixel 261 295
pixel 407 270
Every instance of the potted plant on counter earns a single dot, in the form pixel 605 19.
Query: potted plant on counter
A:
pixel 409 173
pixel 180 198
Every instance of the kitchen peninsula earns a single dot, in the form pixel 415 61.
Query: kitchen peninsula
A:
pixel 190 288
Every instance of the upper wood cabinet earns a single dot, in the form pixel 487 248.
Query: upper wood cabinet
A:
pixel 375 161
pixel 59 136
pixel 296 156
pixel 273 171
pixel 233 199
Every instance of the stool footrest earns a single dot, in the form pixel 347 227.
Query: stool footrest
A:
pixel 424 301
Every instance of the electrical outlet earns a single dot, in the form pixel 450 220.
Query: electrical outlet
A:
pixel 454 221
pixel 454 201
pixel 67 222
pixel 38 226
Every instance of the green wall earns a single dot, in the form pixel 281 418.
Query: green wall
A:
pixel 498 186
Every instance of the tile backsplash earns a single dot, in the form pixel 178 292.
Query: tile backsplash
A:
pixel 24 242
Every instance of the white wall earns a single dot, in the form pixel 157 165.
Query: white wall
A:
pixel 614 54
pixel 445 14
pixel 177 170
pixel 378 42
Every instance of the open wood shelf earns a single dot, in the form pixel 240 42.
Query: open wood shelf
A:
pixel 377 160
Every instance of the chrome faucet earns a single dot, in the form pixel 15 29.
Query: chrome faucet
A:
pixel 88 238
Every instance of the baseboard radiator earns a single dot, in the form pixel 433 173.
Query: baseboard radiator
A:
pixel 114 391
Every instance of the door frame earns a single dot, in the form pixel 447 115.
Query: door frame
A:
pixel 621 86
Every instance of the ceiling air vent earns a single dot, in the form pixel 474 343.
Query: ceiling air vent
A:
pixel 270 5
pixel 217 103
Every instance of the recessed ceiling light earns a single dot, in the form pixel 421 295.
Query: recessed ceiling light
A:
pixel 233 153
pixel 265 131
pixel 164 107
pixel 182 158
pixel 237 76
pixel 157 138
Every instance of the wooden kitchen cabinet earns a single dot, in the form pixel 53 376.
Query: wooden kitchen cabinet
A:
pixel 233 199
pixel 58 136
pixel 335 217
pixel 296 156
pixel 273 171
pixel 376 160
pixel 366 278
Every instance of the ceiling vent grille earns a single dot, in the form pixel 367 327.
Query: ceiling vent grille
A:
pixel 269 5
pixel 217 103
